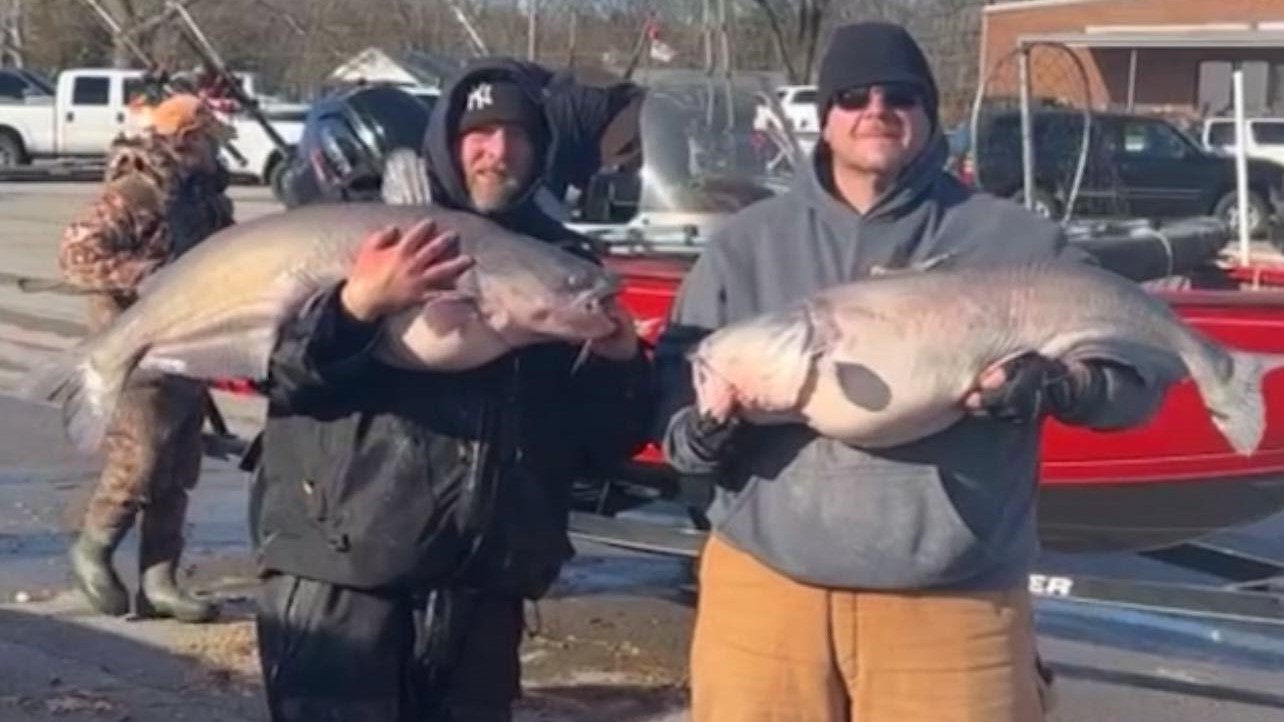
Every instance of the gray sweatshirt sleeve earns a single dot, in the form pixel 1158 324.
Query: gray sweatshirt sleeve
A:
pixel 1117 396
pixel 690 446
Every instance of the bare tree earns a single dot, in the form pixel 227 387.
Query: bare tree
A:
pixel 295 44
pixel 130 13
pixel 949 31
pixel 11 54
pixel 60 34
pixel 796 30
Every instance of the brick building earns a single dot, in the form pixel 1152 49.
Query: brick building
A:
pixel 1173 57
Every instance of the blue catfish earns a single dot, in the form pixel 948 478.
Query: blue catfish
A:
pixel 888 360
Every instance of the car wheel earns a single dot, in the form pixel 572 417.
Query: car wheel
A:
pixel 1259 212
pixel 12 153
pixel 276 177
pixel 1044 204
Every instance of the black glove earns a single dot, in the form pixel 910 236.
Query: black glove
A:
pixel 711 439
pixel 1037 386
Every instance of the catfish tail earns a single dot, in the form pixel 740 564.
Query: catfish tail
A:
pixel 1236 401
pixel 87 389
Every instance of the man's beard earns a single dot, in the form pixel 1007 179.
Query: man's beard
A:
pixel 492 190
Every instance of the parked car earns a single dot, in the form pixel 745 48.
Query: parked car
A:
pixel 77 117
pixel 1136 167
pixel 1265 137
pixel 959 161
pixel 426 95
pixel 798 103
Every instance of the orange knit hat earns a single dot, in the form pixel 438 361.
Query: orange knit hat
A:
pixel 183 112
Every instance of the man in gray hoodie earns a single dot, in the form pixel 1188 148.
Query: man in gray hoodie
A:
pixel 877 585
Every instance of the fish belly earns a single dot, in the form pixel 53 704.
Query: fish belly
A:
pixel 445 336
pixel 881 404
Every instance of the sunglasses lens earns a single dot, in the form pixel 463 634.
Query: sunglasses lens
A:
pixel 901 96
pixel 895 95
pixel 853 99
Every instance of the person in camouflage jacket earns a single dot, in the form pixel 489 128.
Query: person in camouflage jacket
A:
pixel 163 192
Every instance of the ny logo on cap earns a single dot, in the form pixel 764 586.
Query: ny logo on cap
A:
pixel 480 97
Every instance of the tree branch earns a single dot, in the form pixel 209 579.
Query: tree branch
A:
pixel 778 35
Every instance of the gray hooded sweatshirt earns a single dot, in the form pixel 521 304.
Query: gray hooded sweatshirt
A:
pixel 955 510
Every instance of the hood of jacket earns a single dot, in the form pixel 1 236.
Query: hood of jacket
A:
pixel 445 173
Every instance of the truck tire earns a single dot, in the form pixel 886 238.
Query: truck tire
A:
pixel 276 181
pixel 276 177
pixel 1259 212
pixel 12 153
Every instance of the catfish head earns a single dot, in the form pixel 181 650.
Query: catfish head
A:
pixel 546 294
pixel 762 364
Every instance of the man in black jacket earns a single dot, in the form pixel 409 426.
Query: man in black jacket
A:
pixel 400 518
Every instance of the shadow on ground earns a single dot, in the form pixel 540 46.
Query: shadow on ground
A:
pixel 68 667
pixel 59 662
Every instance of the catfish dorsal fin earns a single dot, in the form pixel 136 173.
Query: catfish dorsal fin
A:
pixel 405 179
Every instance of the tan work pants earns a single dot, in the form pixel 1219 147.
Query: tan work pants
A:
pixel 769 649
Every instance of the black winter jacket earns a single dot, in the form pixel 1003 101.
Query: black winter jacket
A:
pixel 379 478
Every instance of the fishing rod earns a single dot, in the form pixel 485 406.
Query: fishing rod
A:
pixel 201 45
pixel 154 70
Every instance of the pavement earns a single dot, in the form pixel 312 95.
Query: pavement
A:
pixel 608 644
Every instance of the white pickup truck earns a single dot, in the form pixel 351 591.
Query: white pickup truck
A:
pixel 78 116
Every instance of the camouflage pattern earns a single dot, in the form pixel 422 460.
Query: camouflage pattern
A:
pixel 153 206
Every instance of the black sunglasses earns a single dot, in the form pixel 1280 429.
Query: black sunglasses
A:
pixel 899 96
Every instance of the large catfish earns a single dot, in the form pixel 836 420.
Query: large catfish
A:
pixel 887 360
pixel 216 311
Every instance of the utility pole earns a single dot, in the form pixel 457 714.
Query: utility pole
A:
pixel 532 29
pixel 12 54
pixel 724 37
pixel 478 45
pixel 710 63
pixel 575 27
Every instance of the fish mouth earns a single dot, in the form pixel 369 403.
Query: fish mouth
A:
pixel 594 308
pixel 585 317
pixel 592 316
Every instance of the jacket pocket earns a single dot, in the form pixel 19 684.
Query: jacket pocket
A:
pixel 836 516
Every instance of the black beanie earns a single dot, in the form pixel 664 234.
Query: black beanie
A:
pixel 870 53
pixel 500 101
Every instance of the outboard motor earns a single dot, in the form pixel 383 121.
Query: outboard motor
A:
pixel 347 137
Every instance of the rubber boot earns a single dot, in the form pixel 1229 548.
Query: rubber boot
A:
pixel 91 568
pixel 159 548
pixel 160 596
